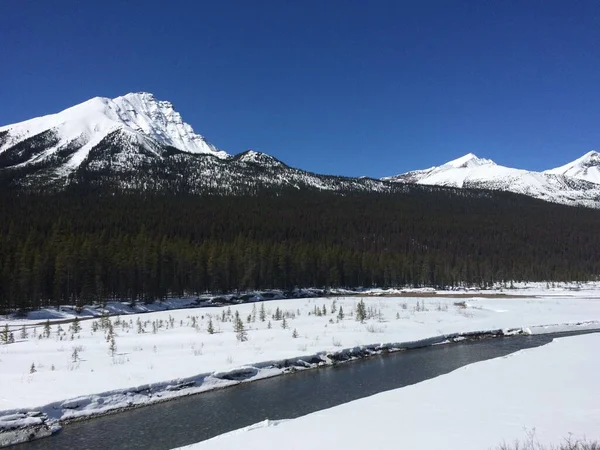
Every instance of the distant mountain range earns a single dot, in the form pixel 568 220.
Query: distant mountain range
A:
pixel 136 142
pixel 572 184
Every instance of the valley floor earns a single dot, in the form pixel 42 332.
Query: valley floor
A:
pixel 62 373
pixel 542 395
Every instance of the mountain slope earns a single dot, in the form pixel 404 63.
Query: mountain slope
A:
pixel 470 171
pixel 136 142
pixel 81 127
pixel 585 168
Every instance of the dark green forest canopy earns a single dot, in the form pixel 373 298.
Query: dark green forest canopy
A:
pixel 81 247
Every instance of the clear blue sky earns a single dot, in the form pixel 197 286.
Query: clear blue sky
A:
pixel 345 87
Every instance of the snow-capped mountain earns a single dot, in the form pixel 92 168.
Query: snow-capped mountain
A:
pixel 72 134
pixel 469 171
pixel 585 168
pixel 138 142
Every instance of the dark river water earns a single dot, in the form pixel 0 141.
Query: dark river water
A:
pixel 199 417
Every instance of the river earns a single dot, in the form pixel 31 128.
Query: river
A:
pixel 199 417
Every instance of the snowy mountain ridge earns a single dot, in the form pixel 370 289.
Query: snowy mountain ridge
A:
pixel 585 168
pixel 572 184
pixel 140 116
pixel 137 142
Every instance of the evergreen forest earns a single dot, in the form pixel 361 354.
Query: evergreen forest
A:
pixel 79 247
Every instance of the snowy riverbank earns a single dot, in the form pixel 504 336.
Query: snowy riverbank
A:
pixel 546 394
pixel 161 355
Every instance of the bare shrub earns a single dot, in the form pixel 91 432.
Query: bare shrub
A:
pixel 569 443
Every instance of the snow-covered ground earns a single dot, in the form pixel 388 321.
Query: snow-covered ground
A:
pixel 159 355
pixel 546 393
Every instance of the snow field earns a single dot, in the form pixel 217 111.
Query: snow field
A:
pixel 171 345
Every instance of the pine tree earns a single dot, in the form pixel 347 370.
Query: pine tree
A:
pixel 262 314
pixel 340 315
pixel 75 326
pixel 295 334
pixel 210 328
pixel 24 334
pixel 112 348
pixel 32 369
pixel 284 324
pixel 4 335
pixel 11 338
pixel 238 327
pixel 104 320
pixel 269 325
pixel 47 329
pixel 253 313
pixel 75 355
pixel 361 311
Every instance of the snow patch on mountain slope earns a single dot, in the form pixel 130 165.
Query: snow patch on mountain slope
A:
pixel 585 168
pixel 140 116
pixel 251 156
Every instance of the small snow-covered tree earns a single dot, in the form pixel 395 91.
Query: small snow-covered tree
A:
pixel 112 347
pixel 47 329
pixel 253 315
pixel 24 334
pixel 111 332
pixel 32 369
pixel 361 311
pixel 11 338
pixel 238 327
pixel 295 334
pixel 210 328
pixel 104 320
pixel 341 313
pixel 76 326
pixel 4 334
pixel 75 355
pixel 284 324
pixel 262 315
pixel 269 325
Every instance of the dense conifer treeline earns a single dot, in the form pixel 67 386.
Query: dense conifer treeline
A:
pixel 75 247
